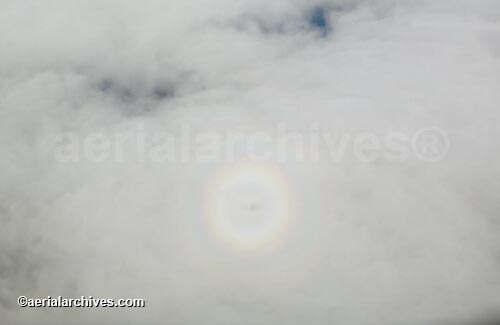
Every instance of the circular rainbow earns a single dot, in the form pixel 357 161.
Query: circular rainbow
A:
pixel 248 207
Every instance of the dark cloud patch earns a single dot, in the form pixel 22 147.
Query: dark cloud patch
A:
pixel 319 20
pixel 136 97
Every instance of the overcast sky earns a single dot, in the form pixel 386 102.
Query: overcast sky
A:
pixel 377 235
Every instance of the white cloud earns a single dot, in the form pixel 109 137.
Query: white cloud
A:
pixel 370 242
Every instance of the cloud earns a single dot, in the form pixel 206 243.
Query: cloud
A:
pixel 370 242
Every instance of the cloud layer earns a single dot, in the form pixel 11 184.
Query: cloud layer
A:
pixel 371 242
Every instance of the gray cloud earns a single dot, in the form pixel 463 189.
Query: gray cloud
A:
pixel 379 242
